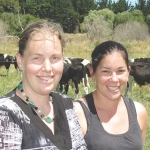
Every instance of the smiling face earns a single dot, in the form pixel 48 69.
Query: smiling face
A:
pixel 111 75
pixel 42 64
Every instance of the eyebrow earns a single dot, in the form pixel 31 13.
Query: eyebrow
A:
pixel 109 68
pixel 104 68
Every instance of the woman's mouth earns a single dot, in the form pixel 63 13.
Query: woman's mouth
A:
pixel 46 79
pixel 113 88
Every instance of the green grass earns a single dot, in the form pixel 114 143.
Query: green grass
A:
pixel 80 46
pixel 8 83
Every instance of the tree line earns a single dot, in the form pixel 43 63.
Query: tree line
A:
pixel 71 14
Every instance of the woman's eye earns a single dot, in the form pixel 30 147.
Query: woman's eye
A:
pixel 55 58
pixel 105 71
pixel 121 71
pixel 36 58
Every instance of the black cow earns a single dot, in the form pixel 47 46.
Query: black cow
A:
pixel 85 71
pixel 140 72
pixel 76 70
pixel 65 78
pixel 6 60
pixel 146 60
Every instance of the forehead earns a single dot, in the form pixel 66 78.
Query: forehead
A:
pixel 115 58
pixel 40 42
pixel 37 36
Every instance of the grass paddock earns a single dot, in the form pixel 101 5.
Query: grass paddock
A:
pixel 80 46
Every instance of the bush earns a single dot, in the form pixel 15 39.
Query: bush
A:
pixel 124 17
pixel 17 22
pixel 107 15
pixel 97 29
pixel 131 31
pixel 3 28
pixel 148 21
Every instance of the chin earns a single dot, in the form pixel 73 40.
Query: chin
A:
pixel 114 97
pixel 47 90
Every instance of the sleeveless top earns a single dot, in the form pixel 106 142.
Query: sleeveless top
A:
pixel 97 138
pixel 22 128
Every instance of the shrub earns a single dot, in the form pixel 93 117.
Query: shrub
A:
pixel 106 14
pixel 17 22
pixel 3 28
pixel 131 31
pixel 148 21
pixel 97 29
pixel 124 17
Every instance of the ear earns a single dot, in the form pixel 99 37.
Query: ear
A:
pixel 129 69
pixel 19 61
pixel 92 74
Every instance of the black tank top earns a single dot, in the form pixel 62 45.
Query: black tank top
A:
pixel 99 139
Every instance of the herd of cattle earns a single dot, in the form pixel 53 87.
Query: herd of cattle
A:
pixel 76 70
pixel 140 73
pixel 6 60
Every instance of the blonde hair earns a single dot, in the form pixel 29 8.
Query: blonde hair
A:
pixel 47 29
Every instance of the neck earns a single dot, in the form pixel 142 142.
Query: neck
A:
pixel 38 99
pixel 106 108
pixel 102 102
pixel 43 110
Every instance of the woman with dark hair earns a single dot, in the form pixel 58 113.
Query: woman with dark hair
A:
pixel 110 121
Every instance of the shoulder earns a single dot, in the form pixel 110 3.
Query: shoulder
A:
pixel 62 96
pixel 11 112
pixel 81 116
pixel 9 95
pixel 58 96
pixel 142 117
pixel 140 109
pixel 78 106
pixel 142 114
pixel 6 100
pixel 62 99
pixel 10 107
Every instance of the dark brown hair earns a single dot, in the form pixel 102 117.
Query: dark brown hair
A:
pixel 107 48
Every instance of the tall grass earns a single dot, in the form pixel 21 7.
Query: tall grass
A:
pixel 80 46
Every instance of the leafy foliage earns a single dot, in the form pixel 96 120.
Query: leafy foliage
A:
pixel 15 28
pixel 134 15
pixel 107 14
pixel 121 6
pixel 102 4
pixel 141 5
pixel 9 6
pixel 148 21
pixel 71 13
pixel 98 23
pixel 3 29
pixel 82 7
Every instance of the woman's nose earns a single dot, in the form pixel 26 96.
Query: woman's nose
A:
pixel 47 65
pixel 114 77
